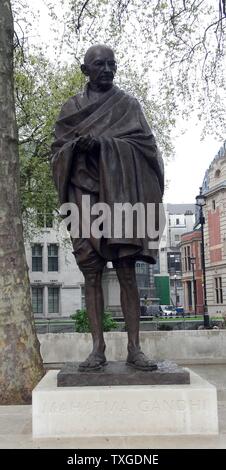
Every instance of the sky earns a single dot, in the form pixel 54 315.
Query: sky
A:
pixel 184 173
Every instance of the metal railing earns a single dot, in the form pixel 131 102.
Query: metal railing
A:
pixel 146 323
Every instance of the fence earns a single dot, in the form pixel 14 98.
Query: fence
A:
pixel 146 324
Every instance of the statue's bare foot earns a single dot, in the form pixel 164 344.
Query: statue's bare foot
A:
pixel 94 361
pixel 138 360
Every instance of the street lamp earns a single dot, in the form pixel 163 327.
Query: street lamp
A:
pixel 200 202
pixel 175 287
pixel 192 261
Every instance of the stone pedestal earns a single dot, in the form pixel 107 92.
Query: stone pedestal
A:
pixel 124 410
pixel 118 373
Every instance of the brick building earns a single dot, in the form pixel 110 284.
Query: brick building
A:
pixel 192 271
pixel 214 190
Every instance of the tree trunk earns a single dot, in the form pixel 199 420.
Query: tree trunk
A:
pixel 20 361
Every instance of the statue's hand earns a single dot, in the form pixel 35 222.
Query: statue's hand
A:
pixel 87 143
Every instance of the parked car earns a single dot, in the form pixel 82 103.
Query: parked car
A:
pixel 143 310
pixel 167 310
pixel 180 311
pixel 153 310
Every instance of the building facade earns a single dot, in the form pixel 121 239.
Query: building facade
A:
pixel 180 218
pixel 192 271
pixel 56 281
pixel 214 190
pixel 57 284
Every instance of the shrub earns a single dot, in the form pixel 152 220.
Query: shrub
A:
pixel 165 327
pixel 82 321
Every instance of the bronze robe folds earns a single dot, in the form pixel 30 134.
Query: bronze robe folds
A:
pixel 127 169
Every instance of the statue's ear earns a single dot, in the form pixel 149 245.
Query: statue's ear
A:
pixel 84 69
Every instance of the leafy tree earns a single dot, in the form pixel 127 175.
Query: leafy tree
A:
pixel 40 91
pixel 178 47
pixel 20 361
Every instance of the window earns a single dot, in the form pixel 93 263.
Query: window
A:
pixel 174 262
pixel 53 257
pixel 37 257
pixel 213 205
pixel 217 173
pixel 177 238
pixel 187 258
pixel 218 290
pixel 141 268
pixel 175 283
pixel 37 299
pixel 177 221
pixel 53 299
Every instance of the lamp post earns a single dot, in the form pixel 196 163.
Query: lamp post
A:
pixel 192 260
pixel 200 202
pixel 175 287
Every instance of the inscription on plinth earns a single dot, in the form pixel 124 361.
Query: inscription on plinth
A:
pixel 124 410
pixel 84 407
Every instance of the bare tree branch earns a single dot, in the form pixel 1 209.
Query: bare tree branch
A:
pixel 80 15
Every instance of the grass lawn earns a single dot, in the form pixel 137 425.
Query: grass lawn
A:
pixel 186 318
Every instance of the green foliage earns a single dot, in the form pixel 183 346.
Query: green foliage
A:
pixel 82 321
pixel 178 47
pixel 40 91
pixel 170 55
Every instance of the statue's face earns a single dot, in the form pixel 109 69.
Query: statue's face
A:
pixel 100 66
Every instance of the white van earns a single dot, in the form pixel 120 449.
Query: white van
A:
pixel 167 310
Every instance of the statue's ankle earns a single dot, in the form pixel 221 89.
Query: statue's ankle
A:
pixel 99 348
pixel 133 347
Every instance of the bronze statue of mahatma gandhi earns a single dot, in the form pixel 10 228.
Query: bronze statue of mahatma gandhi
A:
pixel 104 148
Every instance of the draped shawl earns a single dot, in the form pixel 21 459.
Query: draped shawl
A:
pixel 128 169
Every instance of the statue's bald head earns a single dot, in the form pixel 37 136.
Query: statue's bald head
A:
pixel 100 66
pixel 96 50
